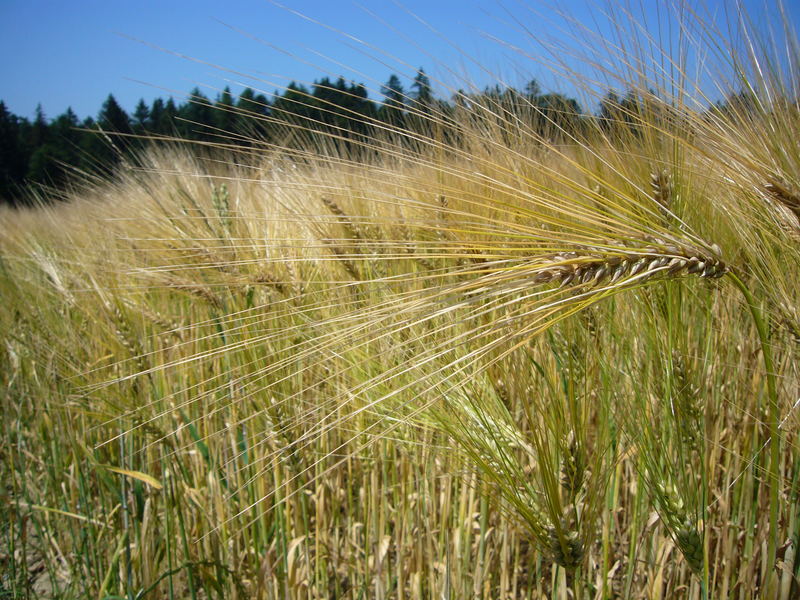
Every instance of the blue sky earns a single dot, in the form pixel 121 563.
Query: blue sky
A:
pixel 64 53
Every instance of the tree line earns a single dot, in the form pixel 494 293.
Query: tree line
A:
pixel 332 114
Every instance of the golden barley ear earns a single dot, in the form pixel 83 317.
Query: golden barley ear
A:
pixel 594 269
pixel 783 192
pixel 661 185
pixel 788 201
pixel 200 291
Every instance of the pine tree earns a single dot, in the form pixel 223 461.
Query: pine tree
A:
pixel 39 129
pixel 65 128
pixel 52 161
pixel 532 89
pixel 105 146
pixel 362 105
pixel 341 110
pixel 423 93
pixel 610 111
pixel 558 115
pixel 393 108
pixel 156 116
pixel 198 116
pixel 251 102
pixel 112 118
pixel 141 116
pixel 96 154
pixel 329 97
pixel 13 157
pixel 225 115
pixel 166 123
pixel 294 105
pixel 250 107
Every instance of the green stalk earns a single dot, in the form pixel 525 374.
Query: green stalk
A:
pixel 184 539
pixel 125 521
pixel 762 325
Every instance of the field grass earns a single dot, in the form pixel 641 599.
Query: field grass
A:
pixel 494 365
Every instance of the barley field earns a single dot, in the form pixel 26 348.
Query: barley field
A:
pixel 464 360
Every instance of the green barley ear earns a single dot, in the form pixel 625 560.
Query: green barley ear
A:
pixel 677 518
pixel 790 318
pixel 690 543
pixel 220 198
pixel 686 402
pixel 566 546
pixel 126 336
pixel 573 468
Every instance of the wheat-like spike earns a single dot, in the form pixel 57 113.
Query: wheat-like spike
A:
pixel 441 233
pixel 786 203
pixel 220 198
pixel 343 254
pixel 126 337
pixel 782 192
pixel 353 229
pixel 296 282
pixel 661 184
pixel 573 468
pixel 169 325
pixel 686 402
pixel 272 281
pixel 473 254
pixel 501 389
pixel 200 291
pixel 590 269
pixel 790 317
pixel 690 543
pixel 684 528
pixel 411 248
pixel 566 547
pixel 123 331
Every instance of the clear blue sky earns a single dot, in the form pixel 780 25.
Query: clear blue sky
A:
pixel 72 53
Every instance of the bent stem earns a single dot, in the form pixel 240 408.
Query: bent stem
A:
pixel 762 325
